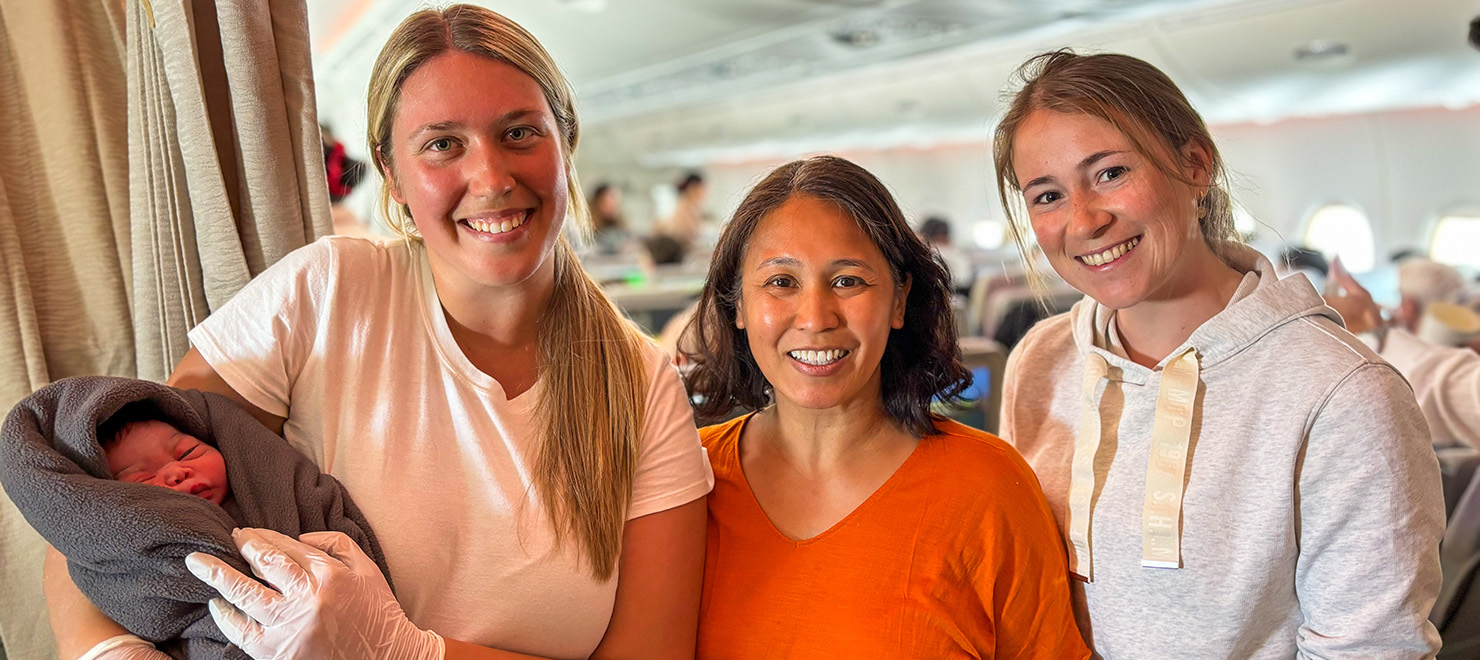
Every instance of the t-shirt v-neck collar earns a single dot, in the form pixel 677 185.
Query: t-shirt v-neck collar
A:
pixel 452 356
pixel 859 511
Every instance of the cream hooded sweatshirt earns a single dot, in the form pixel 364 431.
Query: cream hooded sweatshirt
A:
pixel 1311 509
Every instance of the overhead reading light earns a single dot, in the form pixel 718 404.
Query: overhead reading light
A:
pixel 1324 53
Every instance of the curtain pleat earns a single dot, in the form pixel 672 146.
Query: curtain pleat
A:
pixel 226 171
pixel 64 244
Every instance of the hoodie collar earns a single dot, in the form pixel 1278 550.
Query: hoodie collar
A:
pixel 1262 303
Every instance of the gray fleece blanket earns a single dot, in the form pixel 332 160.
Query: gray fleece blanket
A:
pixel 125 542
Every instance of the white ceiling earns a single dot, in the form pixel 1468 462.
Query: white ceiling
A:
pixel 688 82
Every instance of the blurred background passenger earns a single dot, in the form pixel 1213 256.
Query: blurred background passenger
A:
pixel 344 174
pixel 1423 283
pixel 608 228
pixel 686 224
pixel 937 234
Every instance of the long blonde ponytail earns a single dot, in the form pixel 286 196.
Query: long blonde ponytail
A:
pixel 593 383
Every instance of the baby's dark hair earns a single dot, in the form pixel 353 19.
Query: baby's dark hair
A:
pixel 133 413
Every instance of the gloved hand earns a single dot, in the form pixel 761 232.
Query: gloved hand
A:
pixel 124 647
pixel 331 601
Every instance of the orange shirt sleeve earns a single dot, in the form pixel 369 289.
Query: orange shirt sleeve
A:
pixel 1026 585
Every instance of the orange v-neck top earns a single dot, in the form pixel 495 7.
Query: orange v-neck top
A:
pixel 956 556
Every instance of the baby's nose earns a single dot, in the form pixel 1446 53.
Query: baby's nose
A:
pixel 173 475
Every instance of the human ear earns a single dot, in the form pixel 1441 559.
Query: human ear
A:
pixel 390 176
pixel 1199 163
pixel 740 314
pixel 901 300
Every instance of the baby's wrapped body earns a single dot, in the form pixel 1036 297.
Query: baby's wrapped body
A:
pixel 126 543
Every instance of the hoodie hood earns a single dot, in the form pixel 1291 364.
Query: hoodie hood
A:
pixel 1252 313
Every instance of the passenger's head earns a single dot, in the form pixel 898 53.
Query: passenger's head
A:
pixel 1112 162
pixel 936 231
pixel 153 452
pixel 691 187
pixel 821 295
pixel 475 130
pixel 1422 282
pixel 606 206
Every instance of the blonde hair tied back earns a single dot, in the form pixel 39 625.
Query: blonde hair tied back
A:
pixel 592 378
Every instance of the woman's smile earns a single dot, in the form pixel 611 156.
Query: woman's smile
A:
pixel 818 362
pixel 501 227
pixel 1102 260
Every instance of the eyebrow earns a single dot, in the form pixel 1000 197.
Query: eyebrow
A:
pixel 437 126
pixel 794 263
pixel 1083 164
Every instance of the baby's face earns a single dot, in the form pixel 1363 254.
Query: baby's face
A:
pixel 156 453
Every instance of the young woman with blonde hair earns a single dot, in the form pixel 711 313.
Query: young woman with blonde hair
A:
pixel 528 460
pixel 1236 476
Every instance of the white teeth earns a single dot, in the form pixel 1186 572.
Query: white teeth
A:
pixel 1101 258
pixel 818 358
pixel 496 227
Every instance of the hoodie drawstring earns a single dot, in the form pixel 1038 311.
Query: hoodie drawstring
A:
pixel 1082 475
pixel 1166 468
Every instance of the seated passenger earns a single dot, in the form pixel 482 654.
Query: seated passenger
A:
pixel 847 521
pixel 1237 476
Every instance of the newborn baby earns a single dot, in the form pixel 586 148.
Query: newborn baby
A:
pixel 149 451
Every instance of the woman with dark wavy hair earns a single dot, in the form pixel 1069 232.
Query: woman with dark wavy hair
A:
pixel 846 519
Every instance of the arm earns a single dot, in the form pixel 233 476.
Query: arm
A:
pixel 193 372
pixel 662 574
pixel 1370 513
pixel 81 630
pixel 657 610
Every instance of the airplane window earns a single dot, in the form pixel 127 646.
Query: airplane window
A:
pixel 1338 230
pixel 1454 241
pixel 989 234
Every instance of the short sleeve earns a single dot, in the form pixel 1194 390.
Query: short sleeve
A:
pixel 1030 599
pixel 672 468
pixel 259 340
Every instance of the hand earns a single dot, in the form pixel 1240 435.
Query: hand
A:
pixel 1352 302
pixel 331 601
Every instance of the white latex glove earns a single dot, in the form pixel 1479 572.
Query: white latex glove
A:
pixel 331 601
pixel 124 647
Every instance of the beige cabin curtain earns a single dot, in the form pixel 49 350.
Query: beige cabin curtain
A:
pixel 226 168
pixel 154 157
pixel 64 273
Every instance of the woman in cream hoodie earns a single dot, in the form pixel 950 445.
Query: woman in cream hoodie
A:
pixel 1235 475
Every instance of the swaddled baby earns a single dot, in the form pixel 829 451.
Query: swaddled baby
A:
pixel 75 457
pixel 154 452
